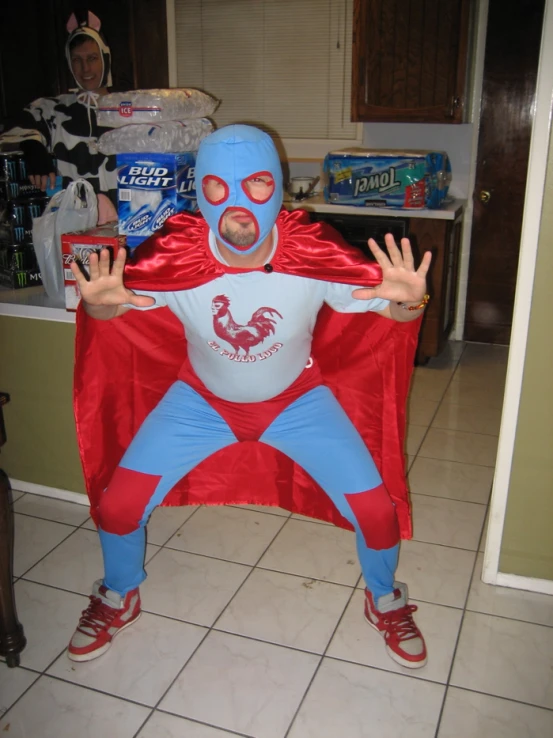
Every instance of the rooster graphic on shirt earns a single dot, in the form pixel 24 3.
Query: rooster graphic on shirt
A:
pixel 261 325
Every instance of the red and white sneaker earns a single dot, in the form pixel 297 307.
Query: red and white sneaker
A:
pixel 107 614
pixel 394 619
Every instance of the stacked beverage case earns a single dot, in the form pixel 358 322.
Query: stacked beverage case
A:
pixel 155 136
pixel 20 202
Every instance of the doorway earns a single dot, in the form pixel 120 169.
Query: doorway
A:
pixel 508 95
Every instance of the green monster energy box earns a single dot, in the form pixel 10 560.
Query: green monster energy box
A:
pixel 20 202
pixel 387 178
pixel 18 267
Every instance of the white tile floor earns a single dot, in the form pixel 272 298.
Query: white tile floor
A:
pixel 253 619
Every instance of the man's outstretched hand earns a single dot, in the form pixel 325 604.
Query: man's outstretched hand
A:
pixel 401 282
pixel 105 286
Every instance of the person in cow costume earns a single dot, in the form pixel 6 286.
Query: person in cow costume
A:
pixel 65 127
pixel 294 361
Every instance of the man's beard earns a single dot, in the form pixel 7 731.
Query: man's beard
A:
pixel 241 237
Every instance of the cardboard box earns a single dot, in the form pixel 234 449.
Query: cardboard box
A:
pixel 78 247
pixel 17 257
pixel 16 279
pixel 18 190
pixel 151 188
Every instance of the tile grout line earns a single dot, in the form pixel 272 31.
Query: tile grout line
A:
pixel 318 667
pixel 450 499
pixel 456 364
pixel 442 707
pixel 39 675
pixel 210 629
pixel 458 639
pixel 50 520
pixel 455 461
pixel 73 531
pixel 192 720
pixel 438 722
pixel 504 699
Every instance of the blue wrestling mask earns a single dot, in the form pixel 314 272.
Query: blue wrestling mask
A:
pixel 239 186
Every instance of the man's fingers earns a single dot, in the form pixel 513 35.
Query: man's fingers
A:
pixel 378 254
pixel 364 293
pixel 140 300
pixel 408 261
pixel 104 263
pixel 101 266
pixel 119 263
pixel 43 181
pixel 393 252
pixel 93 267
pixel 52 178
pixel 77 273
pixel 425 264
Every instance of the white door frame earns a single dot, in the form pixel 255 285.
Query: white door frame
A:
pixel 537 169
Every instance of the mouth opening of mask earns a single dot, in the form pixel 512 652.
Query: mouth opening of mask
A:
pixel 239 229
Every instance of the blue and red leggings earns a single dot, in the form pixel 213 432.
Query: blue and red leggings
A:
pixel 184 429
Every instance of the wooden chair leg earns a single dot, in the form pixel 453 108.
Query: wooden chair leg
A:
pixel 12 638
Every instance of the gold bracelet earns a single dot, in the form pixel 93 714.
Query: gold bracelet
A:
pixel 411 308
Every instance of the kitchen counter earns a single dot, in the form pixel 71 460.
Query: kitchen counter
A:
pixel 32 302
pixel 317 204
pixel 36 368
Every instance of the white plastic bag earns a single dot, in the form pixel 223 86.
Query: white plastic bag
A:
pixel 72 209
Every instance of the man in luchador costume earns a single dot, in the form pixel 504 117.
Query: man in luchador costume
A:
pixel 247 356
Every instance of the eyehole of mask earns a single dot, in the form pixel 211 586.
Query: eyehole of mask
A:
pixel 215 189
pixel 259 187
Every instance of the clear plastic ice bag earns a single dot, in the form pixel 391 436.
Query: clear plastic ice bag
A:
pixel 118 109
pixel 158 138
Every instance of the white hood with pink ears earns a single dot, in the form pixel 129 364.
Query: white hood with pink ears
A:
pixel 91 28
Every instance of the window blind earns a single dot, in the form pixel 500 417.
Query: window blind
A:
pixel 283 65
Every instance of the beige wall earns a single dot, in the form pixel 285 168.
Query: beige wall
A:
pixel 36 368
pixel 527 544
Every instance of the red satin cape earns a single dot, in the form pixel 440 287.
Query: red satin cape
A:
pixel 124 366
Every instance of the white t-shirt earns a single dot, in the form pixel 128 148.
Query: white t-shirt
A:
pixel 249 335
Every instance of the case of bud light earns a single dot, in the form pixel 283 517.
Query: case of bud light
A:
pixel 150 188
pixel 78 247
pixel 387 178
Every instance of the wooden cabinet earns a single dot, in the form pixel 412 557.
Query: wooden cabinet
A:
pixel 441 237
pixel 410 60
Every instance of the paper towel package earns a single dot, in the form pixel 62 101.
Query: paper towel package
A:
pixel 392 178
pixel 150 188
